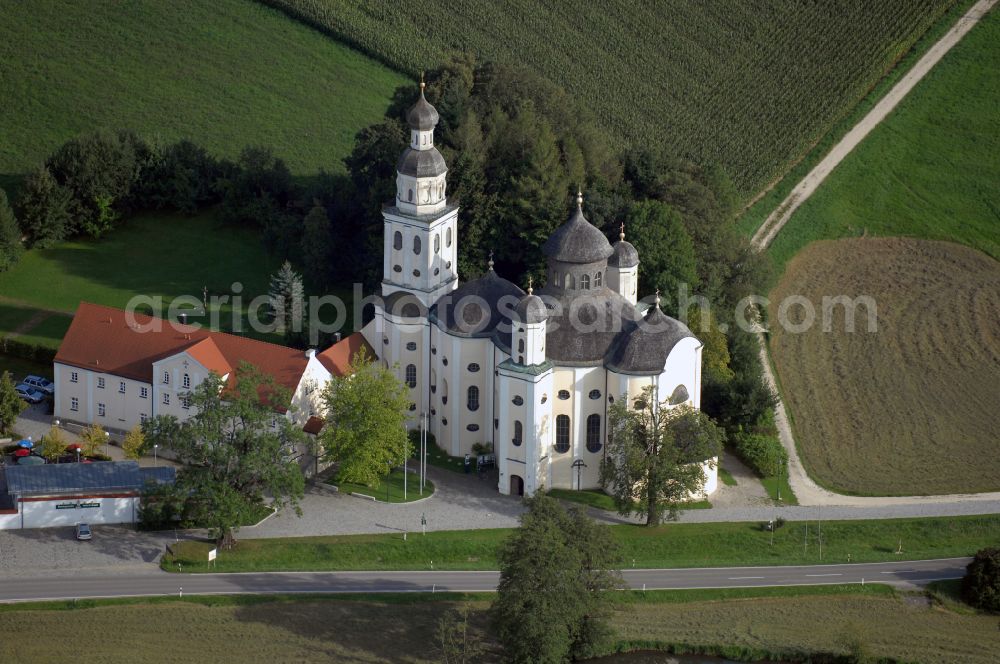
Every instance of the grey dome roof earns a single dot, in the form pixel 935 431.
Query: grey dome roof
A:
pixel 422 116
pixel 421 163
pixel 645 347
pixel 623 255
pixel 603 314
pixel 531 309
pixel 577 241
pixel 474 309
pixel 404 305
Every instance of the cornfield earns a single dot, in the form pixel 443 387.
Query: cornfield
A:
pixel 746 84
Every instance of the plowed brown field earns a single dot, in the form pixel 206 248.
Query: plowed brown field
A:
pixel 913 408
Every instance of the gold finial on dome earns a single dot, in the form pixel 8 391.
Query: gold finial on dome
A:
pixel 579 198
pixel 657 298
pixel 621 232
pixel 531 290
pixel 489 263
pixel 422 84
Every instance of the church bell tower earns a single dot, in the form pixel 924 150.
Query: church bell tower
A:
pixel 420 227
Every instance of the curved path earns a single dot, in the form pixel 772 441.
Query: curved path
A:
pixel 806 490
pixel 908 574
pixel 777 219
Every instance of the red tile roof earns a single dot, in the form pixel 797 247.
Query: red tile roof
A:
pixel 100 339
pixel 337 358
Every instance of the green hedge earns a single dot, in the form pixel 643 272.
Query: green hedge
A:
pixel 762 452
pixel 26 351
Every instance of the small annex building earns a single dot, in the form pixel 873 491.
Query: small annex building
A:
pixel 43 496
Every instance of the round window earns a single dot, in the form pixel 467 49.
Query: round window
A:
pixel 564 394
pixel 411 346
pixel 473 367
pixel 595 394
pixel 397 268
pixel 517 401
pixel 473 427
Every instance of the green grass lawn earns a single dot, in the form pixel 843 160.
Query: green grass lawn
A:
pixel 726 477
pixel 930 170
pixel 670 545
pixel 156 254
pixel 19 368
pixel 602 501
pixel 225 74
pixel 395 488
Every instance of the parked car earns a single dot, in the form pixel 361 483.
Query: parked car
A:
pixel 83 531
pixel 29 394
pixel 43 385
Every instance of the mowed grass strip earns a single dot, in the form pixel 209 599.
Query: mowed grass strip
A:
pixel 599 500
pixel 929 170
pixel 398 491
pixel 910 408
pixel 671 545
pixel 225 74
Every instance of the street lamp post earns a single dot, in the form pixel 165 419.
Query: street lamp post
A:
pixel 155 447
pixel 107 444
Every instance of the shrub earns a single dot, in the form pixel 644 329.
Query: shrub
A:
pixel 981 583
pixel 763 453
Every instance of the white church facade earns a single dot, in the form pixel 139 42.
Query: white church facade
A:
pixel 532 373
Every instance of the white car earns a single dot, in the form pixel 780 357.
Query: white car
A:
pixel 83 532
pixel 29 394
pixel 41 384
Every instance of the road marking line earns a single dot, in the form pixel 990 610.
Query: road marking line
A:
pixel 824 575
pixel 738 578
pixel 899 571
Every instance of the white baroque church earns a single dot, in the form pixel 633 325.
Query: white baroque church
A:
pixel 532 373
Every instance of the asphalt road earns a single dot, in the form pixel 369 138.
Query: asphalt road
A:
pixel 900 573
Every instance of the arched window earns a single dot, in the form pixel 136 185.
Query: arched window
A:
pixel 437 243
pixel 569 282
pixel 598 278
pixel 473 401
pixel 518 433
pixel 679 396
pixel 409 195
pixel 447 238
pixel 397 240
pixel 562 434
pixel 444 391
pixel 594 433
pixel 416 244
pixel 520 345
pixel 187 380
pixel 441 190
pixel 434 381
pixel 411 375
pixel 585 282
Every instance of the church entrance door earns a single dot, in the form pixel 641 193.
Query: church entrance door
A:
pixel 516 485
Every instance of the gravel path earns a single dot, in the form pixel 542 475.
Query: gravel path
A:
pixel 777 219
pixel 806 490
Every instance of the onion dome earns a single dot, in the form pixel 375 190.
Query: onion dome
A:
pixel 577 241
pixel 421 163
pixel 475 308
pixel 422 116
pixel 645 348
pixel 531 309
pixel 623 253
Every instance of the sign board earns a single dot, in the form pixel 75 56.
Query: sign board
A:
pixel 89 505
pixel 212 554
pixel 66 506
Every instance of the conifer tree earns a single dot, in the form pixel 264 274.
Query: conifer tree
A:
pixel 317 246
pixel 10 235
pixel 288 303
pixel 44 209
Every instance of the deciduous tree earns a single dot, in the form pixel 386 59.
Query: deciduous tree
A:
pixel 43 208
pixel 981 583
pixel 655 455
pixel 665 249
pixel 365 432
pixel 317 246
pixel 11 405
pixel 93 438
pixel 53 444
pixel 134 444
pixel 555 573
pixel 235 450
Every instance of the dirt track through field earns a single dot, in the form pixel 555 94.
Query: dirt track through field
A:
pixel 777 219
pixel 806 490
